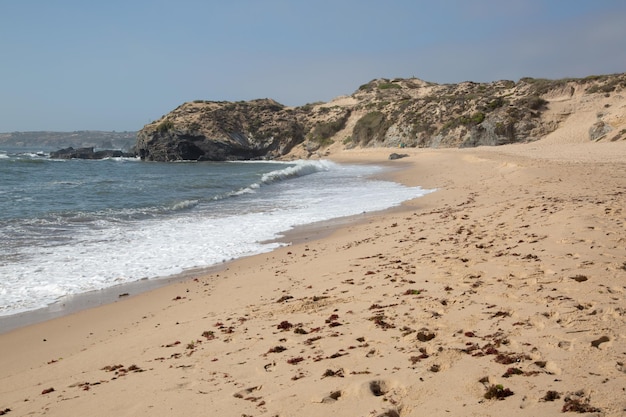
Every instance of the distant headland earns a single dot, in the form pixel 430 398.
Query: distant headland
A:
pixel 78 139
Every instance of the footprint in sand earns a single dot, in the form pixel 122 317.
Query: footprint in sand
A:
pixel 332 397
pixel 566 345
pixel 378 388
pixel 387 390
pixel 596 343
pixel 549 367
pixel 246 393
pixel 390 413
pixel 425 335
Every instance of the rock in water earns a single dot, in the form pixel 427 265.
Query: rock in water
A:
pixel 88 153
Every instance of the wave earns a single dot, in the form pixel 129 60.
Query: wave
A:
pixel 121 159
pixel 101 217
pixel 183 205
pixel 295 169
pixel 138 213
pixel 28 160
pixel 35 154
pixel 23 156
pixel 300 169
pixel 153 209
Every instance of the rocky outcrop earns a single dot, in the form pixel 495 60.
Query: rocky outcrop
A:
pixel 383 112
pixel 218 131
pixel 88 153
pixel 394 156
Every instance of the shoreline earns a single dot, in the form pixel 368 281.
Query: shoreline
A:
pixel 511 275
pixel 76 303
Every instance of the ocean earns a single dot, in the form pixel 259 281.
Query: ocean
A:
pixel 69 227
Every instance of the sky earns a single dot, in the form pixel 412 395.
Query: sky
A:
pixel 69 65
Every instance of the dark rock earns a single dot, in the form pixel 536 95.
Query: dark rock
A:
pixel 599 130
pixel 394 156
pixel 424 335
pixel 88 153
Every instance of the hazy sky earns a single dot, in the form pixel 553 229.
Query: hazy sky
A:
pixel 118 64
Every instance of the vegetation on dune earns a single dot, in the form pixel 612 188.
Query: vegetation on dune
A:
pixel 370 127
pixel 323 132
pixel 165 126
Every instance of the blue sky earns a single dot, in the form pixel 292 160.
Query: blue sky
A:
pixel 118 64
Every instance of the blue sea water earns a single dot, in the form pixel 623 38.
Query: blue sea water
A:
pixel 73 226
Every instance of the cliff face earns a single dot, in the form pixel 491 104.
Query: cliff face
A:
pixel 388 113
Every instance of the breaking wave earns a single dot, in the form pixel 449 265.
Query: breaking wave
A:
pixel 294 169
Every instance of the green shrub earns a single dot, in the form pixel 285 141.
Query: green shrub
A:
pixel 495 103
pixel 322 132
pixel 323 141
pixel 370 127
pixel 595 78
pixel 387 86
pixel 505 129
pixel 534 102
pixel 472 120
pixel 477 118
pixel 541 86
pixel 607 87
pixel 367 87
pixel 422 126
pixel 309 106
pixel 165 126
pixel 593 89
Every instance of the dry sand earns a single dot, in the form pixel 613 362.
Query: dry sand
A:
pixel 509 281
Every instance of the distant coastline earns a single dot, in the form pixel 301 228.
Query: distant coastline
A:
pixel 76 139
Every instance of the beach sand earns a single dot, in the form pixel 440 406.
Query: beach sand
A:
pixel 502 293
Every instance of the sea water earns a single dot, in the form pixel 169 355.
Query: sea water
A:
pixel 73 226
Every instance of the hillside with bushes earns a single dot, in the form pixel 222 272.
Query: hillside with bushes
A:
pixel 389 113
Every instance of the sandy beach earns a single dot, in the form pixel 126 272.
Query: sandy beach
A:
pixel 502 293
